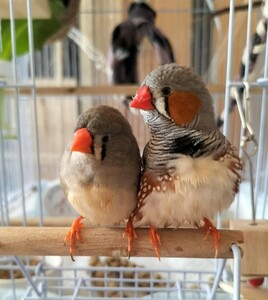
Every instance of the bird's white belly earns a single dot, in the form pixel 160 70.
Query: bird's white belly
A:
pixel 101 206
pixel 202 187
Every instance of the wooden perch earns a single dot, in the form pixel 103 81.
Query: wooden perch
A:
pixel 255 260
pixel 47 221
pixel 109 242
pixel 65 221
pixel 103 90
pixel 82 90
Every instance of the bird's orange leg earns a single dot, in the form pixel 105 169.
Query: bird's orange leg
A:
pixel 73 234
pixel 211 229
pixel 155 240
pixel 130 233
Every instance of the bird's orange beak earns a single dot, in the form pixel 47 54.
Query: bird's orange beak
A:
pixel 143 99
pixel 82 141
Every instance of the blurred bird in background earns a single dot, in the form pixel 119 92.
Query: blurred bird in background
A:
pixel 190 170
pixel 126 39
pixel 100 170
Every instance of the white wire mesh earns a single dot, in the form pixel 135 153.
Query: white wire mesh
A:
pixel 22 187
pixel 121 283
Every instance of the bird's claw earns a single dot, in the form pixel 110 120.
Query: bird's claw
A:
pixel 211 229
pixel 74 234
pixel 155 240
pixel 130 233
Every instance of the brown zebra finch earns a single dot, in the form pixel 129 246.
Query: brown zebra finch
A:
pixel 191 171
pixel 100 170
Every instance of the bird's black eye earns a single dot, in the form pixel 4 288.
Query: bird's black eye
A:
pixel 166 91
pixel 105 139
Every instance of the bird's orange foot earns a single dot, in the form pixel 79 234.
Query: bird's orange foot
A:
pixel 74 234
pixel 130 233
pixel 155 240
pixel 211 229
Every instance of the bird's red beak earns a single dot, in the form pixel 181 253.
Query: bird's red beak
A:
pixel 143 99
pixel 82 141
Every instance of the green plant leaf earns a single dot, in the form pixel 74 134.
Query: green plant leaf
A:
pixel 5 127
pixel 42 31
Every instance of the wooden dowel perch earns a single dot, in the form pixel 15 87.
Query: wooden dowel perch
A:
pixel 109 242
pixel 102 90
pixel 47 221
pixel 65 221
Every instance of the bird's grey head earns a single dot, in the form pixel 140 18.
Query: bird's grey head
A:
pixel 112 137
pixel 174 94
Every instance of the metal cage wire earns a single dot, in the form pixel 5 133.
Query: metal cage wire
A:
pixel 30 154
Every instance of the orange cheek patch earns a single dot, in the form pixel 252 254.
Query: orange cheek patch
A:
pixel 183 106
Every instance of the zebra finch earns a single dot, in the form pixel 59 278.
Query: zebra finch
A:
pixel 100 170
pixel 190 170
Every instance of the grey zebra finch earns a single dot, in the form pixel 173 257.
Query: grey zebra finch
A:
pixel 100 170
pixel 190 171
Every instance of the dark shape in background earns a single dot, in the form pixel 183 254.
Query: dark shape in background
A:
pixel 126 38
